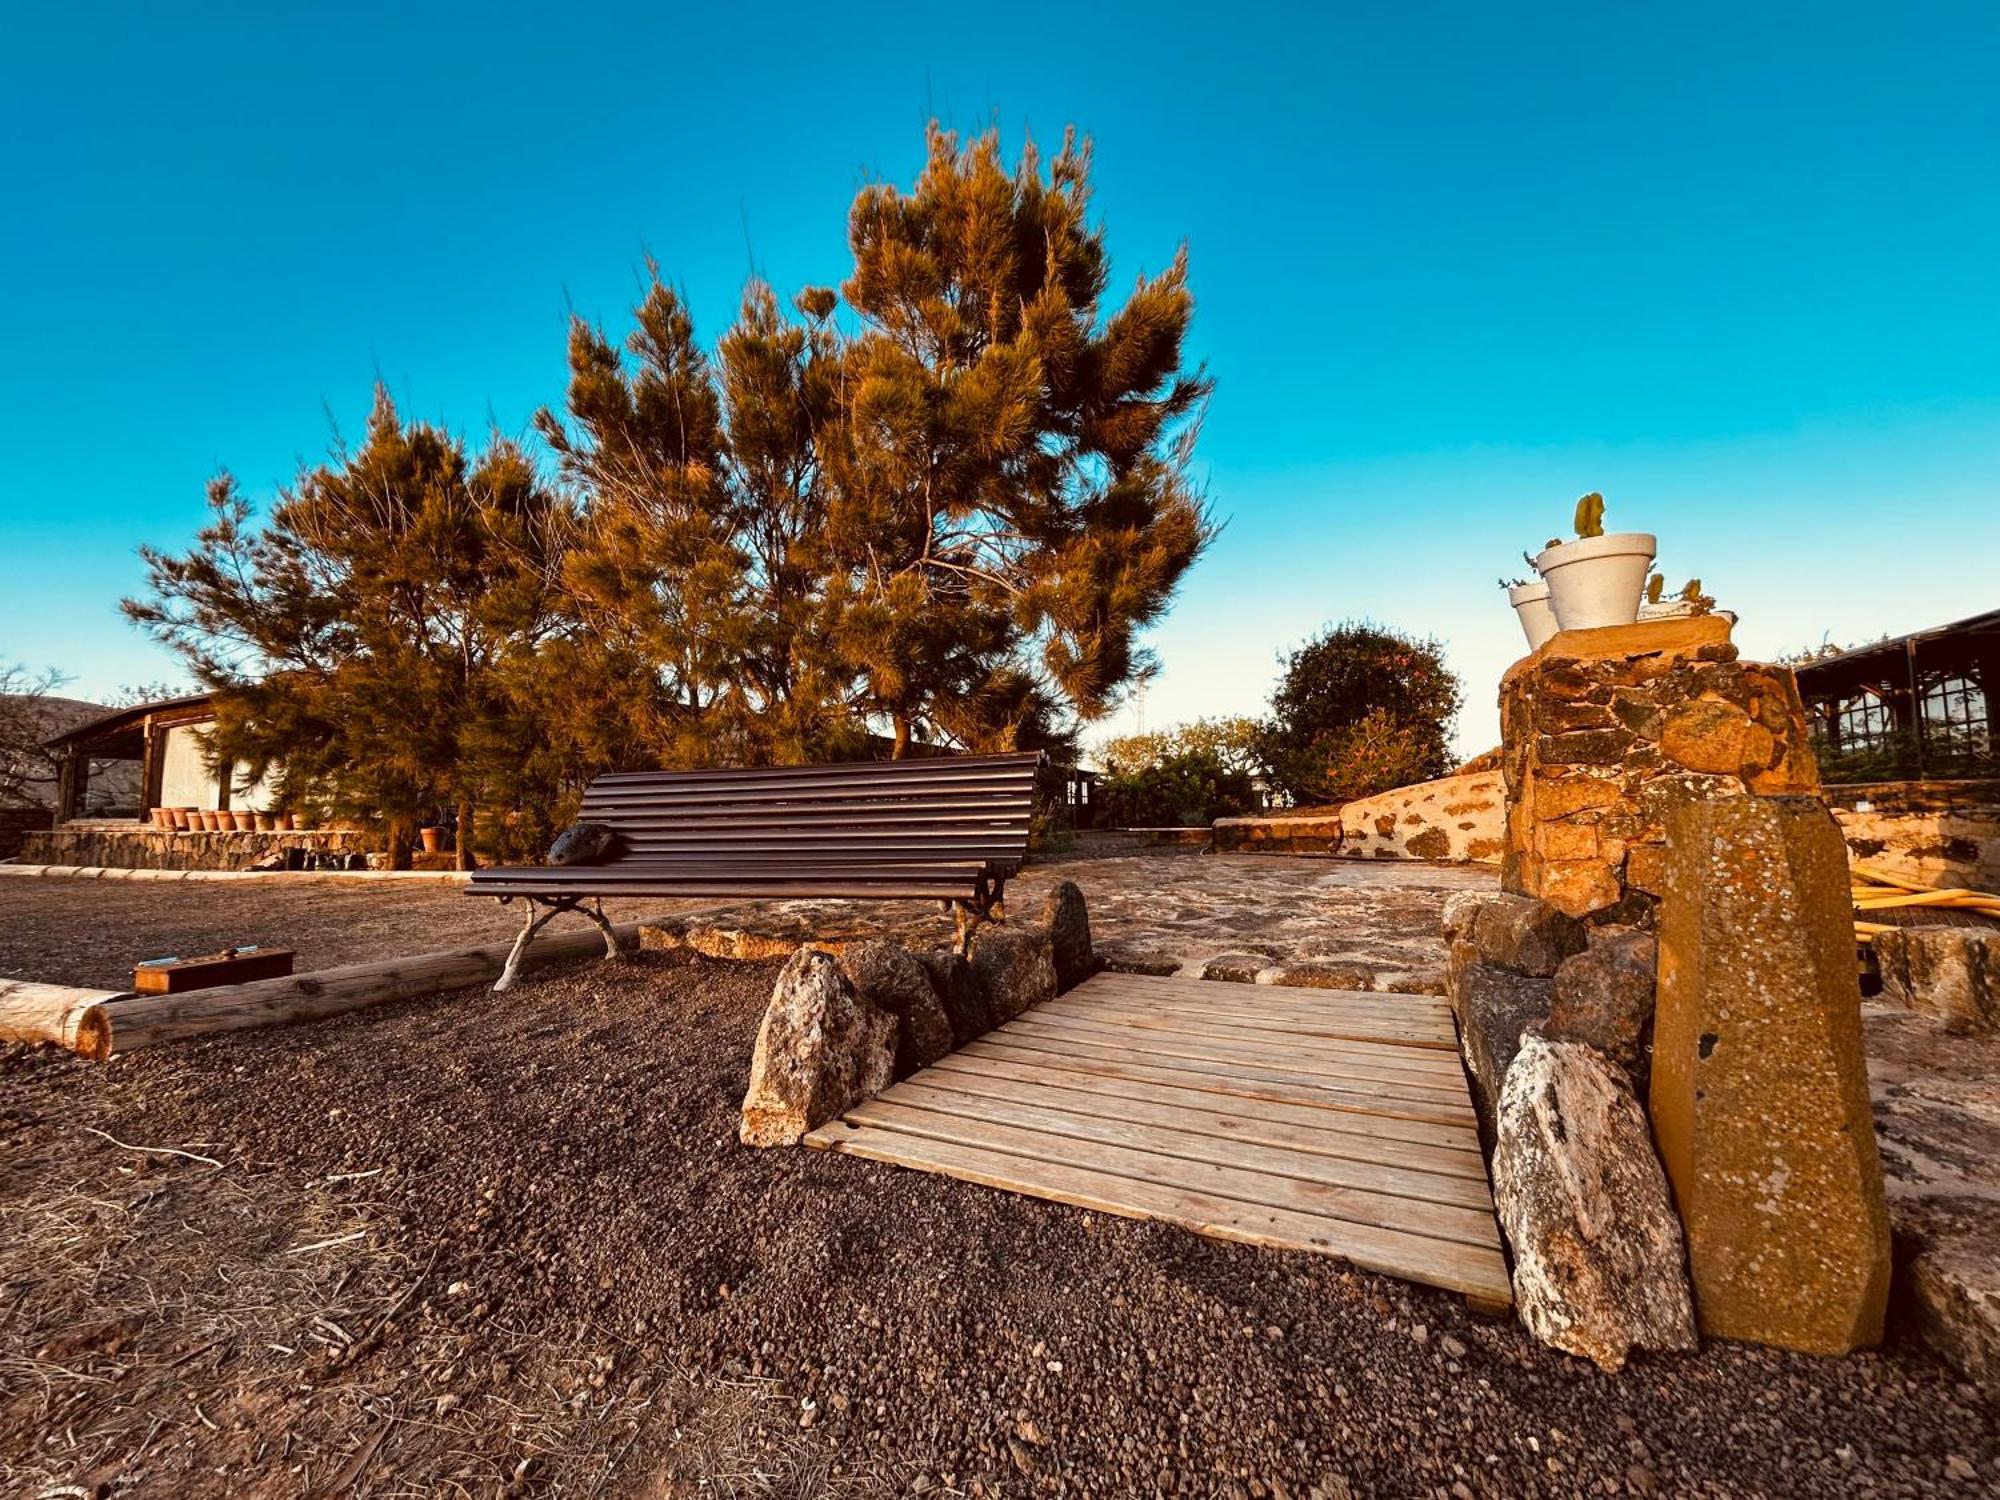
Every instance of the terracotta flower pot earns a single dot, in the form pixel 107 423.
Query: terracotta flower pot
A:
pixel 211 820
pixel 433 838
pixel 266 823
pixel 244 821
pixel 284 822
pixel 177 819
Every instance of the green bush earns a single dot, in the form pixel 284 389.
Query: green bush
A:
pixel 1181 790
pixel 1360 709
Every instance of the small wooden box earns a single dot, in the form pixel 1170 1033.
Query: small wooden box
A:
pixel 172 976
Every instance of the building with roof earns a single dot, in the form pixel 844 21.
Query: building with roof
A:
pixel 1913 706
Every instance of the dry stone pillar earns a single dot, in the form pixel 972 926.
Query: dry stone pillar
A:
pixel 1759 1089
pixel 1606 731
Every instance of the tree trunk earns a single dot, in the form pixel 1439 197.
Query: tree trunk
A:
pixel 402 833
pixel 467 860
pixel 902 747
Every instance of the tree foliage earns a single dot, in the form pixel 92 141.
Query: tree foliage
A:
pixel 941 503
pixel 1359 709
pixel 360 644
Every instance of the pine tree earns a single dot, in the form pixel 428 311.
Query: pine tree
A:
pixel 1009 501
pixel 362 644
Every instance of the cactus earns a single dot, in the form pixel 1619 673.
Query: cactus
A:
pixel 1693 590
pixel 1590 516
pixel 1655 586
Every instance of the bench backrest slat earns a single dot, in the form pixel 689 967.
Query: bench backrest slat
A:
pixel 778 822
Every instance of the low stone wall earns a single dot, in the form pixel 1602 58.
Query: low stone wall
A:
pixel 142 847
pixel 1196 837
pixel 18 824
pixel 1936 833
pixel 1461 818
pixel 1276 833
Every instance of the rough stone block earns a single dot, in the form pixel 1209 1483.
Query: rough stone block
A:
pixel 1016 967
pixel 1952 973
pixel 1759 1090
pixel 1523 934
pixel 822 1049
pixel 888 975
pixel 959 992
pixel 1952 1286
pixel 1067 922
pixel 1494 1006
pixel 1598 1264
pixel 1603 998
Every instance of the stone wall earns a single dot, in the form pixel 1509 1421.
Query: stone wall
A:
pixel 17 823
pixel 1608 731
pixel 1461 818
pixel 1278 833
pixel 143 847
pixel 1936 833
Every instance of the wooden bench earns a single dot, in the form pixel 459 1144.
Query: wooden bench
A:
pixel 950 829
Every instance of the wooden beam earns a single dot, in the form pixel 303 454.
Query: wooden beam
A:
pixel 57 1013
pixel 121 1022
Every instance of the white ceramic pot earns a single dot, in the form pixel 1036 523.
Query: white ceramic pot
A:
pixel 1599 580
pixel 1531 607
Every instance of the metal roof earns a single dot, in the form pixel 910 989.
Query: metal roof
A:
pixel 1976 625
pixel 122 719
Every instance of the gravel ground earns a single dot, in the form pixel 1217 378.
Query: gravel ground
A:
pixel 91 932
pixel 486 1244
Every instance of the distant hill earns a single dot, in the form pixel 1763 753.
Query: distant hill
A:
pixel 113 784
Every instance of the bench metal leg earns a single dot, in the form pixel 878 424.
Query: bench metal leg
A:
pixel 535 922
pixel 986 906
pixel 596 914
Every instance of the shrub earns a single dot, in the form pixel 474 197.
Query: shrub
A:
pixel 1180 790
pixel 1360 709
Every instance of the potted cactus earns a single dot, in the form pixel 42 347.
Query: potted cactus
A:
pixel 1596 579
pixel 1531 608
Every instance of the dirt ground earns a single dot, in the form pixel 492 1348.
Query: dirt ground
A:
pixel 508 1245
pixel 1157 911
pixel 91 932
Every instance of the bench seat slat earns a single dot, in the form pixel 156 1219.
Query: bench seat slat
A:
pixel 944 829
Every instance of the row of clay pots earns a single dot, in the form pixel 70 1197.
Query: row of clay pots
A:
pixel 210 820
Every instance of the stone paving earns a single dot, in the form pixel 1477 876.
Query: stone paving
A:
pixel 1326 923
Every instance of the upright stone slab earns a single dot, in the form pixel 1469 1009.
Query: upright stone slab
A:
pixel 1607 731
pixel 1759 1089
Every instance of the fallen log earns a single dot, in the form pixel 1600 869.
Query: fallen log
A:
pixel 127 1022
pixel 59 1013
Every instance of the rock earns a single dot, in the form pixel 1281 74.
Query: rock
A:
pixel 1759 1090
pixel 1235 968
pixel 1599 1268
pixel 1952 973
pixel 1325 974
pixel 887 975
pixel 1524 935
pixel 1016 968
pixel 1493 1006
pixel 1068 925
pixel 583 844
pixel 821 1049
pixel 1952 1287
pixel 1603 997
pixel 1460 910
pixel 957 989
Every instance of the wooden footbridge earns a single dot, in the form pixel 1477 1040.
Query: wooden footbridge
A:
pixel 1324 1120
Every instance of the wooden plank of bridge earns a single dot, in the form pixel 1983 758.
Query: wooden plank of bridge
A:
pixel 1324 1120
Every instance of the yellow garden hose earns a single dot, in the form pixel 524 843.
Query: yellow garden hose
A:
pixel 1878 890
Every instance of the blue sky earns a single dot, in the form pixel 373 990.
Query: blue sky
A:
pixel 1733 266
